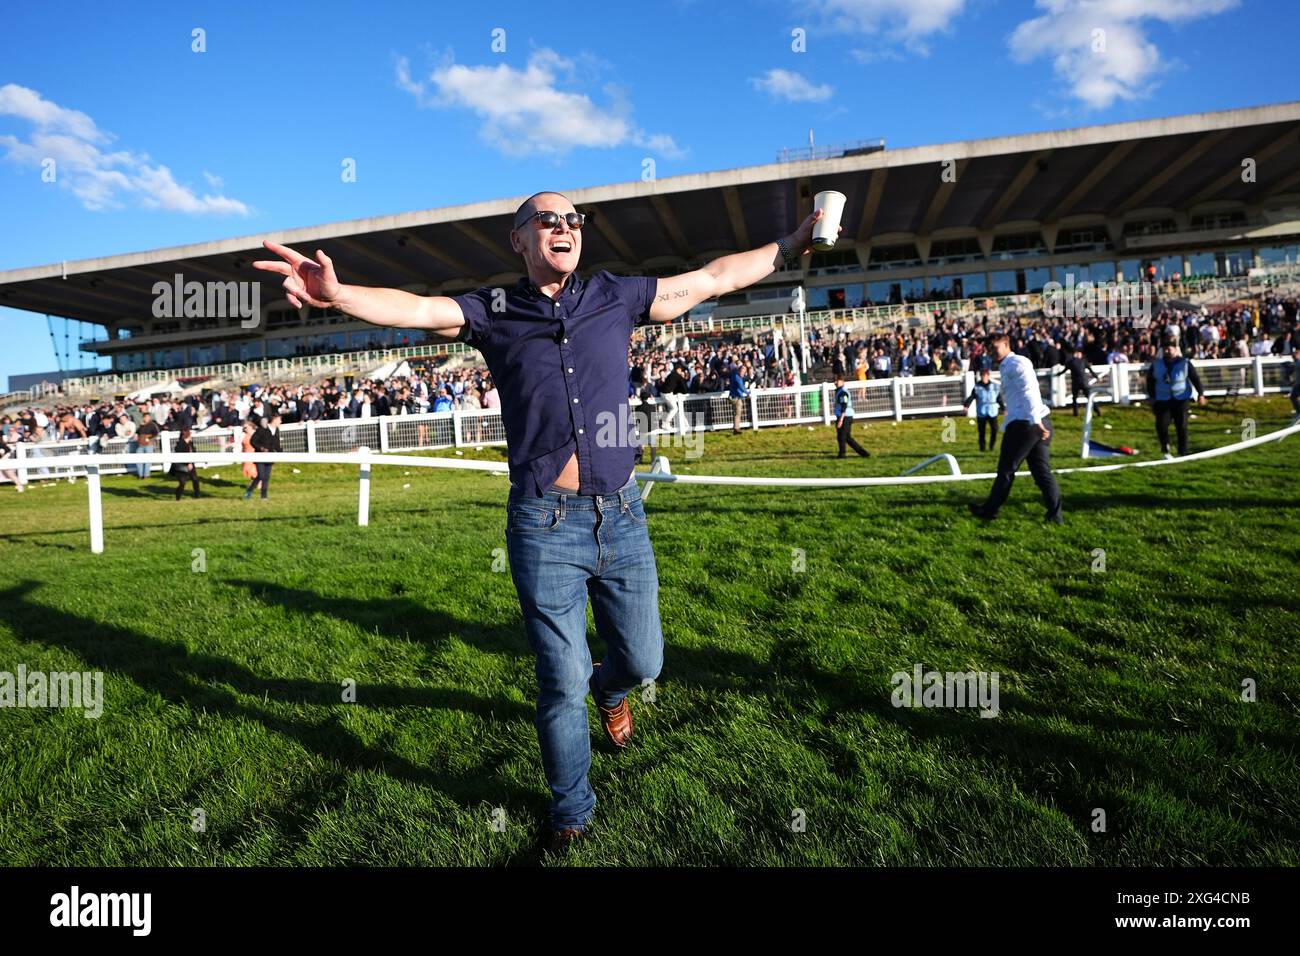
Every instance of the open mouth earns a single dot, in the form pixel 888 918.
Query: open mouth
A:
pixel 561 245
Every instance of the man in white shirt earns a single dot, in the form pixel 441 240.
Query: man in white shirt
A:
pixel 1027 434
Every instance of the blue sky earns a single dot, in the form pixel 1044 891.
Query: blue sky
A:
pixel 158 144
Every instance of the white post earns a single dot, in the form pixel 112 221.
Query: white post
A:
pixel 1259 375
pixel 383 433
pixel 753 408
pixel 968 386
pixel 898 399
pixel 96 510
pixel 363 502
pixel 457 416
pixel 311 438
pixel 826 403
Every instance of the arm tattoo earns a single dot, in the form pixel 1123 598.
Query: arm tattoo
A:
pixel 679 294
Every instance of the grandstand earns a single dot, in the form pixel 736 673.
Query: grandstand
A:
pixel 957 227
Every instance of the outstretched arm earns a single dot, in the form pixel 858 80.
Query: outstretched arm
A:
pixel 677 295
pixel 315 283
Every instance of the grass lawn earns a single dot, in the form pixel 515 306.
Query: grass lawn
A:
pixel 1120 690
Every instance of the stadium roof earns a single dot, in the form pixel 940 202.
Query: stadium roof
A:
pixel 1177 163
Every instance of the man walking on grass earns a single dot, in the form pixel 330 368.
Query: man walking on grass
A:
pixel 1026 434
pixel 844 420
pixel 556 345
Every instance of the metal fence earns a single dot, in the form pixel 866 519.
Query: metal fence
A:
pixel 896 398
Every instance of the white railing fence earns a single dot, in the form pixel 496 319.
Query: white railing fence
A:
pixel 885 398
pixel 365 460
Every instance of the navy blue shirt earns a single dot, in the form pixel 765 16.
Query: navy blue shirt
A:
pixel 560 367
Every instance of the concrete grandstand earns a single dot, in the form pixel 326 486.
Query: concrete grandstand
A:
pixel 1209 196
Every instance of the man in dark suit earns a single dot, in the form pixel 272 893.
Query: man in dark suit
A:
pixel 1081 376
pixel 266 438
pixel 313 409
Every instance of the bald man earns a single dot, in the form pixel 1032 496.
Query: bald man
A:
pixel 556 344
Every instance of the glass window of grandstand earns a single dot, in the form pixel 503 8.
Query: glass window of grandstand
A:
pixel 168 358
pixel 283 348
pixel 249 351
pixel 945 251
pixel 1235 262
pixel 1219 220
pixel 205 354
pixel 1035 279
pixel 1017 245
pixel 896 292
pixel 282 318
pixel 1202 265
pixel 1102 272
pixel 835 262
pixel 957 286
pixel 130 361
pixel 771 293
pixel 324 344
pixel 901 256
pixel 1279 255
pixel 1149 227
pixel 1082 239
pixel 817 297
pixel 317 316
pixel 1073 274
pixel 1168 267
pixel 1003 282
pixel 372 339
pixel 1130 270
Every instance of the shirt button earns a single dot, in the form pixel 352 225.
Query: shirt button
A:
pixel 566 341
pixel 570 371
pixel 581 432
pixel 575 401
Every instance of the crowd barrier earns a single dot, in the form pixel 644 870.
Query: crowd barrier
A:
pixel 885 398
pixel 660 471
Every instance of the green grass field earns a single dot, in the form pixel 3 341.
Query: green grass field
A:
pixel 1120 690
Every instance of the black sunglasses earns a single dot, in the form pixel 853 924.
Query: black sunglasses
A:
pixel 550 219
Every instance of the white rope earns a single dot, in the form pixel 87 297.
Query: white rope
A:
pixel 500 467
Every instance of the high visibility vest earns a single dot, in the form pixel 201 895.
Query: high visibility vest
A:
pixel 843 402
pixel 986 399
pixel 1172 381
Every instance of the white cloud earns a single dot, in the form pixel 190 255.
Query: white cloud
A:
pixel 785 85
pixel 98 178
pixel 526 111
pixel 1099 48
pixel 904 21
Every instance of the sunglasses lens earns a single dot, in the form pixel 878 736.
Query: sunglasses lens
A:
pixel 575 220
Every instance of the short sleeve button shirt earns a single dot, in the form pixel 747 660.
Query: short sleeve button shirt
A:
pixel 560 366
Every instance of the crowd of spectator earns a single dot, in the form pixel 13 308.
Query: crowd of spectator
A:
pixel 718 364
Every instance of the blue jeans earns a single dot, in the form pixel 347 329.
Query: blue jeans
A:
pixel 140 468
pixel 564 549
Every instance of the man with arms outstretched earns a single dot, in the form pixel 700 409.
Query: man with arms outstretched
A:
pixel 556 345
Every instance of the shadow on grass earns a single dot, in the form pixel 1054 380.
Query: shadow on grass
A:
pixel 224 687
pixel 395 616
pixel 1101 764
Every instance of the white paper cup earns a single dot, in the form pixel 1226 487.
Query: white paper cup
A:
pixel 827 229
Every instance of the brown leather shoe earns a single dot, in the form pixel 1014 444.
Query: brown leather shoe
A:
pixel 560 840
pixel 617 721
